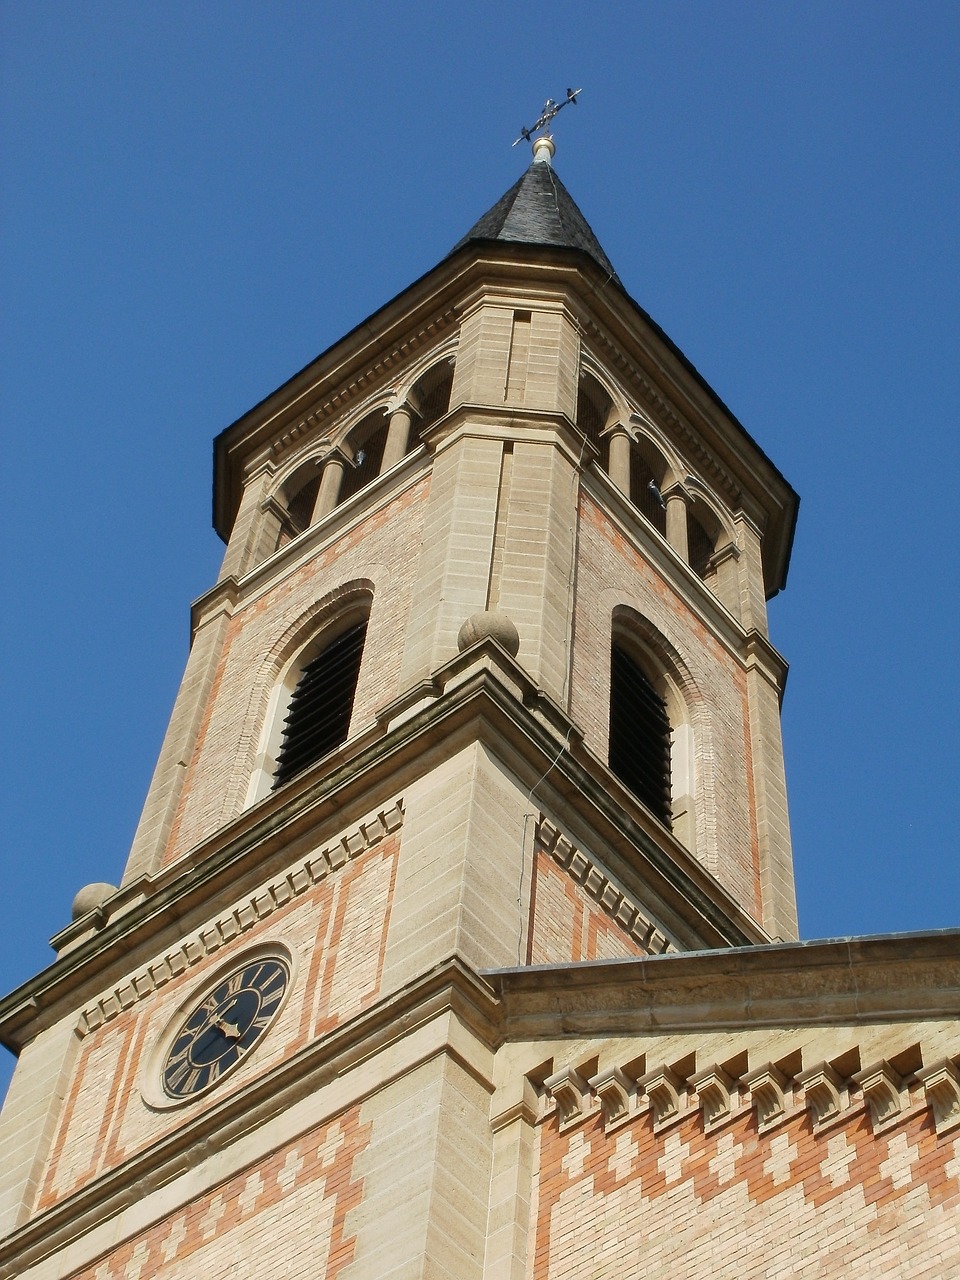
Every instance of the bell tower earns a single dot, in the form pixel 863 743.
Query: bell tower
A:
pixel 485 683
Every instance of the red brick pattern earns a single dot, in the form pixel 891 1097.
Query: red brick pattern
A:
pixel 286 1216
pixel 714 688
pixel 381 551
pixel 339 930
pixel 567 924
pixel 734 1203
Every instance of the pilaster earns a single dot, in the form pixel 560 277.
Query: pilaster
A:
pixel 765 671
pixel 159 810
pixel 256 528
pixel 538 528
pixel 453 575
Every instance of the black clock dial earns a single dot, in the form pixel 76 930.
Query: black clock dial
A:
pixel 224 1027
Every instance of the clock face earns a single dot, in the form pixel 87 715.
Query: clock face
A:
pixel 224 1027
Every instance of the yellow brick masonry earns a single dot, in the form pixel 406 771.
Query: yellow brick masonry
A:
pixel 739 1205
pixel 612 572
pixel 336 933
pixel 268 630
pixel 282 1219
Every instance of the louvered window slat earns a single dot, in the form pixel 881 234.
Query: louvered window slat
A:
pixel 639 735
pixel 318 718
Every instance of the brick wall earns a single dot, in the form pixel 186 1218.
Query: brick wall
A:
pixel 567 924
pixel 841 1200
pixel 612 572
pixel 381 551
pixel 336 931
pixel 285 1216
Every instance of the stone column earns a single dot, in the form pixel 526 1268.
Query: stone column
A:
pixel 619 467
pixel 329 491
pixel 676 501
pixel 398 437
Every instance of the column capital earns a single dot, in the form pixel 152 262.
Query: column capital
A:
pixel 677 490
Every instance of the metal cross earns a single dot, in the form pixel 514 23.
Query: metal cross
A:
pixel 550 109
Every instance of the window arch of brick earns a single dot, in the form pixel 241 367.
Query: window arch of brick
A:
pixel 653 723
pixel 312 679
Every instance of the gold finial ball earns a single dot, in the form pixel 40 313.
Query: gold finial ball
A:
pixel 488 625
pixel 544 149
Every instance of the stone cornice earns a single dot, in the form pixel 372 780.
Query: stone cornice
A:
pixel 630 521
pixel 761 655
pixel 505 423
pixel 240 916
pixel 664 411
pixel 372 374
pixel 450 989
pixel 893 977
pixel 483 695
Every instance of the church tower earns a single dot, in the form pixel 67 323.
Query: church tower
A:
pixel 484 691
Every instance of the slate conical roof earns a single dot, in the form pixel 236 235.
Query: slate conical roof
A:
pixel 539 210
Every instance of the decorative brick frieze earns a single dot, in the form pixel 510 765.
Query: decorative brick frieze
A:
pixel 881 1087
pixel 241 917
pixel 769 1092
pixel 717 1094
pixel 612 899
pixel 941 1084
pixel 617 1095
pixel 691 1201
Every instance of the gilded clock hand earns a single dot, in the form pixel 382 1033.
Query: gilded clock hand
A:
pixel 228 1029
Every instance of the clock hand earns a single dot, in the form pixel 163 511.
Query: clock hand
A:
pixel 229 1030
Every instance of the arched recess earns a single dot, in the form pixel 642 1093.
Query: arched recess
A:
pixel 340 613
pixel 708 532
pixel 360 447
pixel 594 407
pixel 363 445
pixel 635 643
pixel 649 476
pixel 296 498
pixel 430 397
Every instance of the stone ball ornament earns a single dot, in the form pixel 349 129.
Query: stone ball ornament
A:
pixel 90 897
pixel 489 625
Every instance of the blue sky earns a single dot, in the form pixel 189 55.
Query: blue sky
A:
pixel 197 199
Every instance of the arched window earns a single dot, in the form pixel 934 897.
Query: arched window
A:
pixel 431 394
pixel 640 736
pixel 366 441
pixel 705 534
pixel 318 715
pixel 648 470
pixel 593 409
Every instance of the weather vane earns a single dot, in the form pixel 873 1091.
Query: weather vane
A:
pixel 550 109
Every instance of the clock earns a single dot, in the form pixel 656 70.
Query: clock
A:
pixel 224 1027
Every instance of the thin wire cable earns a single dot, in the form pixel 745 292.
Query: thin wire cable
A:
pixel 523 843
